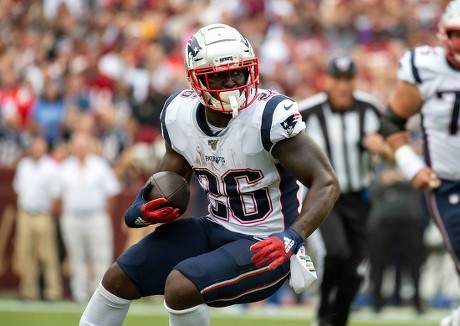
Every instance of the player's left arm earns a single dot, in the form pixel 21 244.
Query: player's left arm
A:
pixel 302 157
pixel 308 163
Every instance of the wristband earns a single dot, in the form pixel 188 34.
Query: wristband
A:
pixel 408 161
pixel 296 240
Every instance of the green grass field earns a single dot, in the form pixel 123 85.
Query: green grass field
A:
pixel 148 313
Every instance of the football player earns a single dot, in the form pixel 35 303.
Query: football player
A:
pixel 429 84
pixel 252 154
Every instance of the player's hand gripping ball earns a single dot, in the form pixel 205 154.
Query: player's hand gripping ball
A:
pixel 167 197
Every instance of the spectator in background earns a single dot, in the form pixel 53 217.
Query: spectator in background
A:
pixel 49 111
pixel 36 239
pixel 8 99
pixel 345 123
pixel 76 98
pixel 88 186
pixel 16 100
pixel 146 116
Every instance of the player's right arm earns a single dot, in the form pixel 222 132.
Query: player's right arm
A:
pixel 142 213
pixel 175 162
pixel 405 102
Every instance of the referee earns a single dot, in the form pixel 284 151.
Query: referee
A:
pixel 345 123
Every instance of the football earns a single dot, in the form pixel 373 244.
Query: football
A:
pixel 171 186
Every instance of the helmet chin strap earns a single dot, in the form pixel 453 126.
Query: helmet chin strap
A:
pixel 234 105
pixel 230 97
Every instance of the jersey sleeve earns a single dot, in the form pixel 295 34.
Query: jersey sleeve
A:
pixel 164 129
pixel 281 120
pixel 420 64
pixel 405 69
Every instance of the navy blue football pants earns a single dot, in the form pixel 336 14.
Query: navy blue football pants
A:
pixel 215 259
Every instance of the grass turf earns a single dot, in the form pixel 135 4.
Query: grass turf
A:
pixel 71 318
pixel 148 313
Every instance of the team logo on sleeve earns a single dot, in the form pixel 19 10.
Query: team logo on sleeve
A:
pixel 290 122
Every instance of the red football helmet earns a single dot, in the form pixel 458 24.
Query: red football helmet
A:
pixel 221 48
pixel 450 21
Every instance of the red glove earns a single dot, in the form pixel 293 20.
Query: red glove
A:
pixel 277 248
pixel 154 212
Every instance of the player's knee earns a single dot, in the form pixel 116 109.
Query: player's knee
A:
pixel 118 283
pixel 180 292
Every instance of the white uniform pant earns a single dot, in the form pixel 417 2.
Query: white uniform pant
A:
pixel 90 248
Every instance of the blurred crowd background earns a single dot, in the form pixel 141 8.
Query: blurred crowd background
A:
pixel 105 67
pixel 108 65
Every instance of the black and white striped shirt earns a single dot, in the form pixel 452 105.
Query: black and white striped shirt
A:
pixel 341 136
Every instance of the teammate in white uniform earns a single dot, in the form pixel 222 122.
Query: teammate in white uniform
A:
pixel 429 84
pixel 248 150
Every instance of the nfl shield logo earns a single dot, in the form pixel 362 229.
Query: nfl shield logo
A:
pixel 213 144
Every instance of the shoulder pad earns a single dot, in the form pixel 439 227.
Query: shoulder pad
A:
pixel 421 64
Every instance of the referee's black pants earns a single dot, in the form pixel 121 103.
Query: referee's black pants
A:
pixel 344 234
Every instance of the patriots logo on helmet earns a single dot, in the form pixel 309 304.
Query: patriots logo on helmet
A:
pixel 290 122
pixel 245 41
pixel 193 47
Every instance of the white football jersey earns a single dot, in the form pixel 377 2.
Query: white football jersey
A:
pixel 439 85
pixel 247 189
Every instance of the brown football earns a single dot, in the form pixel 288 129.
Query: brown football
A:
pixel 171 186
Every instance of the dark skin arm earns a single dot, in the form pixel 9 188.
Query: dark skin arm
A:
pixel 174 162
pixel 302 157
